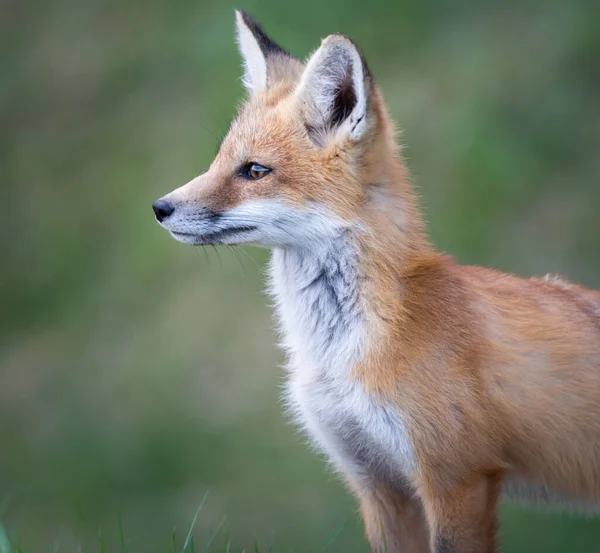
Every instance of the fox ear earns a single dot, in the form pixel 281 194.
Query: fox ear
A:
pixel 335 89
pixel 263 58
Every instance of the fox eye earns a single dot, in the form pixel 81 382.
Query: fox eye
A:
pixel 254 171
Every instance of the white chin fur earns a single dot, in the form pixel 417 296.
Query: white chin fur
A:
pixel 232 239
pixel 185 238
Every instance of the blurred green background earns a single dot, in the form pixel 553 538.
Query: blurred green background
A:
pixel 136 373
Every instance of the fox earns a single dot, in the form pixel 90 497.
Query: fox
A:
pixel 434 389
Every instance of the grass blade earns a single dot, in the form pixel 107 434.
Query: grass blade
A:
pixel 214 536
pixel 335 534
pixel 226 543
pixel 189 538
pixel 101 541
pixel 174 540
pixel 4 542
pixel 121 533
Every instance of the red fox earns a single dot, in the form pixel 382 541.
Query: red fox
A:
pixel 433 388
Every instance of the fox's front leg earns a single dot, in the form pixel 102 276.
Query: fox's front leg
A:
pixel 463 517
pixel 394 520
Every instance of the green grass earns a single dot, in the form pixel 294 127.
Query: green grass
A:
pixel 215 541
pixel 532 537
pixel 218 541
pixel 192 544
pixel 5 545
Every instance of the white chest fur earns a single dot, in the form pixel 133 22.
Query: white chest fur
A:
pixel 324 331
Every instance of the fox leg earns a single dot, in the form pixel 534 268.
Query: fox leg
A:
pixel 463 518
pixel 394 520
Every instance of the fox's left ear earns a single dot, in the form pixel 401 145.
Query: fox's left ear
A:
pixel 264 60
pixel 336 89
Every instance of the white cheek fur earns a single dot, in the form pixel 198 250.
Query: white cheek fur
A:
pixel 281 224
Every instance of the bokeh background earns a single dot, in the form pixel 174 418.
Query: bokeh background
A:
pixel 136 373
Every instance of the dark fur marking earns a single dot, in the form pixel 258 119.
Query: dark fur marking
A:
pixel 443 545
pixel 344 101
pixel 327 293
pixel 357 122
pixel 212 216
pixel 216 236
pixel 268 47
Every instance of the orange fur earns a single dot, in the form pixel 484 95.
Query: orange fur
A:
pixel 498 376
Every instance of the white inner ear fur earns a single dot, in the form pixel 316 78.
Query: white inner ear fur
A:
pixel 255 64
pixel 325 71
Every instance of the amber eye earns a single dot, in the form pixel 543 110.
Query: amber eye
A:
pixel 254 171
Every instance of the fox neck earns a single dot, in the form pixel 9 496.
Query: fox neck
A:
pixel 333 299
pixel 319 303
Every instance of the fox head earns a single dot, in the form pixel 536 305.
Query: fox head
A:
pixel 294 166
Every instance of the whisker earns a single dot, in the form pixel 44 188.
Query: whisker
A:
pixel 205 255
pixel 218 255
pixel 260 269
pixel 214 135
pixel 232 250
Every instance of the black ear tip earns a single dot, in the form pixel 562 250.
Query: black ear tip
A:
pixel 248 20
pixel 251 23
pixel 267 46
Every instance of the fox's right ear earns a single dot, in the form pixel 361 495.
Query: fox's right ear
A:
pixel 264 60
pixel 336 90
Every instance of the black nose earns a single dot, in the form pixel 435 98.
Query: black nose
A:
pixel 162 209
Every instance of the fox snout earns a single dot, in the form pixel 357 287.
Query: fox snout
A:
pixel 189 223
pixel 162 209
